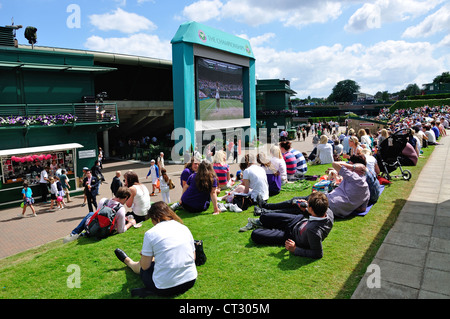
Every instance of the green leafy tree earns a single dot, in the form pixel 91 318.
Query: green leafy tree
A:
pixel 443 78
pixel 344 91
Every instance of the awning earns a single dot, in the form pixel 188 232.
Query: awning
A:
pixel 40 149
pixel 54 67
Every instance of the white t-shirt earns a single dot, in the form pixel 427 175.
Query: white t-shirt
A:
pixel 172 245
pixel 431 136
pixel 280 165
pixel 44 175
pixel 258 184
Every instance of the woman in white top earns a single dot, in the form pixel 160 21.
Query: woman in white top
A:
pixel 278 162
pixel 324 151
pixel 139 200
pixel 365 139
pixel 254 179
pixel 167 263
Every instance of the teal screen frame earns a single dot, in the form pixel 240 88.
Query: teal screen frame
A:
pixel 197 40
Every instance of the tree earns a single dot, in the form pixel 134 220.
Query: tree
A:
pixel 412 89
pixel 344 91
pixel 443 78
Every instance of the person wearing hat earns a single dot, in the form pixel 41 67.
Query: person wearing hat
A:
pixel 153 172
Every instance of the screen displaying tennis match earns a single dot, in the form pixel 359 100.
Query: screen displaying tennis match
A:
pixel 219 90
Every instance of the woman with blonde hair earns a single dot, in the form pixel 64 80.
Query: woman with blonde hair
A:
pixel 276 158
pixel 221 168
pixel 324 153
pixel 355 147
pixel 384 134
pixel 272 174
pixel 364 138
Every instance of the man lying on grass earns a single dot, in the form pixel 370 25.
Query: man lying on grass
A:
pixel 301 234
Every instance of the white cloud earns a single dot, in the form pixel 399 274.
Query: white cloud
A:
pixel 137 44
pixel 120 20
pixel 384 66
pixel 257 12
pixel 203 10
pixel 434 23
pixel 374 15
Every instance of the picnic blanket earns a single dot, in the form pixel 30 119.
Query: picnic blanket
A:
pixel 364 213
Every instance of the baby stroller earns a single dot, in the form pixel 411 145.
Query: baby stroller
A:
pixel 390 157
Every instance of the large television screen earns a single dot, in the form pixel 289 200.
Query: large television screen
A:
pixel 219 90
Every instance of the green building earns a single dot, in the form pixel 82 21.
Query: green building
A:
pixel 274 109
pixel 48 112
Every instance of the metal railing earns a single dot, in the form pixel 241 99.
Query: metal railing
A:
pixel 16 115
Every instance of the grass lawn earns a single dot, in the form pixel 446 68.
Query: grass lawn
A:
pixel 236 268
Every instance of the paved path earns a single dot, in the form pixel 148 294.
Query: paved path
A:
pixel 414 260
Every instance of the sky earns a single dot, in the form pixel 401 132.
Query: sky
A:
pixel 382 45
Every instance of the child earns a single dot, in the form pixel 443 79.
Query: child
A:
pixel 164 186
pixel 61 194
pixel 153 172
pixel 65 184
pixel 53 193
pixel 27 199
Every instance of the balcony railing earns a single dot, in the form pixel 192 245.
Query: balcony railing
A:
pixel 32 115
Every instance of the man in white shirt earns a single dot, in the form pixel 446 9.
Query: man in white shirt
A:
pixel 43 183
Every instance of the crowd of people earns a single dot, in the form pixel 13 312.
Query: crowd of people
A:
pixel 301 224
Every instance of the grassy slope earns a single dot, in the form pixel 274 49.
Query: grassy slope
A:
pixel 236 267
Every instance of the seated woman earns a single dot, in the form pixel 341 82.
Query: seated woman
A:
pixel 189 169
pixel 254 180
pixel 139 200
pixel 351 195
pixel 167 263
pixel 324 151
pixel 200 191
pixel 273 175
pixel 278 162
pixel 355 147
pixel 222 169
pixel 365 138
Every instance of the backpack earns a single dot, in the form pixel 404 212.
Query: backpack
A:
pixel 102 223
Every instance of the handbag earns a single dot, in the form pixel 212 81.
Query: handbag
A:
pixel 242 201
pixel 200 257
pixel 171 184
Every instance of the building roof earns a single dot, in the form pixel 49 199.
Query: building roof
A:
pixel 110 58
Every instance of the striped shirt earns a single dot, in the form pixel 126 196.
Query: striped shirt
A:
pixel 291 163
pixel 302 167
pixel 221 172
